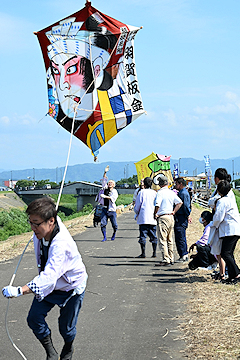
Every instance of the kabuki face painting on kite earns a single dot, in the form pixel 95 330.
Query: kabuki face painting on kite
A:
pixel 91 75
pixel 71 84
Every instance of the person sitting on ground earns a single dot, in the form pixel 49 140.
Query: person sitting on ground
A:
pixel 205 219
pixel 203 258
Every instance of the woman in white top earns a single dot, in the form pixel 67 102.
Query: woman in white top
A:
pixel 227 220
pixel 214 241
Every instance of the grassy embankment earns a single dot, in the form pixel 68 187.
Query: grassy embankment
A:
pixel 14 221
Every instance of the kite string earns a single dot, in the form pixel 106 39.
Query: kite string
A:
pixel 66 166
pixel 14 274
pixel 58 201
pixel 11 282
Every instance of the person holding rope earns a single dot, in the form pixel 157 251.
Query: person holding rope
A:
pixel 61 280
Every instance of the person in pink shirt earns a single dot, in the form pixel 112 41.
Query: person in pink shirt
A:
pixel 206 217
pixel 203 258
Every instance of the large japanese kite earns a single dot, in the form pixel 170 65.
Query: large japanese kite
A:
pixel 152 166
pixel 91 75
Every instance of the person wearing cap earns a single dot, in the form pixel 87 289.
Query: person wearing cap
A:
pixel 144 209
pixel 108 197
pixel 61 280
pixel 167 203
pixel 181 220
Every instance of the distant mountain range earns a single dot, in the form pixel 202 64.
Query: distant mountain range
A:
pixel 118 170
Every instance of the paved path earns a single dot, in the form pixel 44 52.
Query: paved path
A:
pixel 131 308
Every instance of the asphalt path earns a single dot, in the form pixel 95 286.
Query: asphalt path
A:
pixel 131 308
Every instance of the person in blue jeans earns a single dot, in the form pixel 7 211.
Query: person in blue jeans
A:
pixel 144 209
pixel 182 219
pixel 108 197
pixel 61 278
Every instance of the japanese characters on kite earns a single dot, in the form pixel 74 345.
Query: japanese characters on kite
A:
pixel 91 75
pixel 93 93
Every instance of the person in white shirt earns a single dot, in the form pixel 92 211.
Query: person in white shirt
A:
pixel 167 203
pixel 61 280
pixel 144 209
pixel 109 196
pixel 214 241
pixel 227 220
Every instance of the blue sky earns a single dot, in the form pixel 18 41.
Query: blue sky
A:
pixel 187 59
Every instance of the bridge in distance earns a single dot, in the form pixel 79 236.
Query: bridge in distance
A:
pixel 85 193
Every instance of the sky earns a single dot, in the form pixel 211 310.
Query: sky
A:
pixel 187 59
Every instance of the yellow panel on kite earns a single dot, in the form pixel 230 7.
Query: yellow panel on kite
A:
pixel 152 166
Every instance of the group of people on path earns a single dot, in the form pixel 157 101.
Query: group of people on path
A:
pixel 161 214
pixel 165 215
pixel 158 215
pixel 223 231
pixel 62 275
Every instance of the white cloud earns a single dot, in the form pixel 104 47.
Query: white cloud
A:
pixel 217 109
pixel 170 116
pixel 230 96
pixel 5 120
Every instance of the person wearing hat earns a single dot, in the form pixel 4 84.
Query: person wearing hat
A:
pixel 167 203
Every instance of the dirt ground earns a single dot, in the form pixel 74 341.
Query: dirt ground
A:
pixel 210 325
pixel 15 245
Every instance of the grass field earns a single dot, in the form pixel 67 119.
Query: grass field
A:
pixel 14 221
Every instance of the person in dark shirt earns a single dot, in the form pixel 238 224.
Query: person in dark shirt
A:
pixel 109 197
pixel 182 219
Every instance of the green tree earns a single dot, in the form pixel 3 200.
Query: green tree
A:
pixel 24 183
pixel 130 181
pixel 237 182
